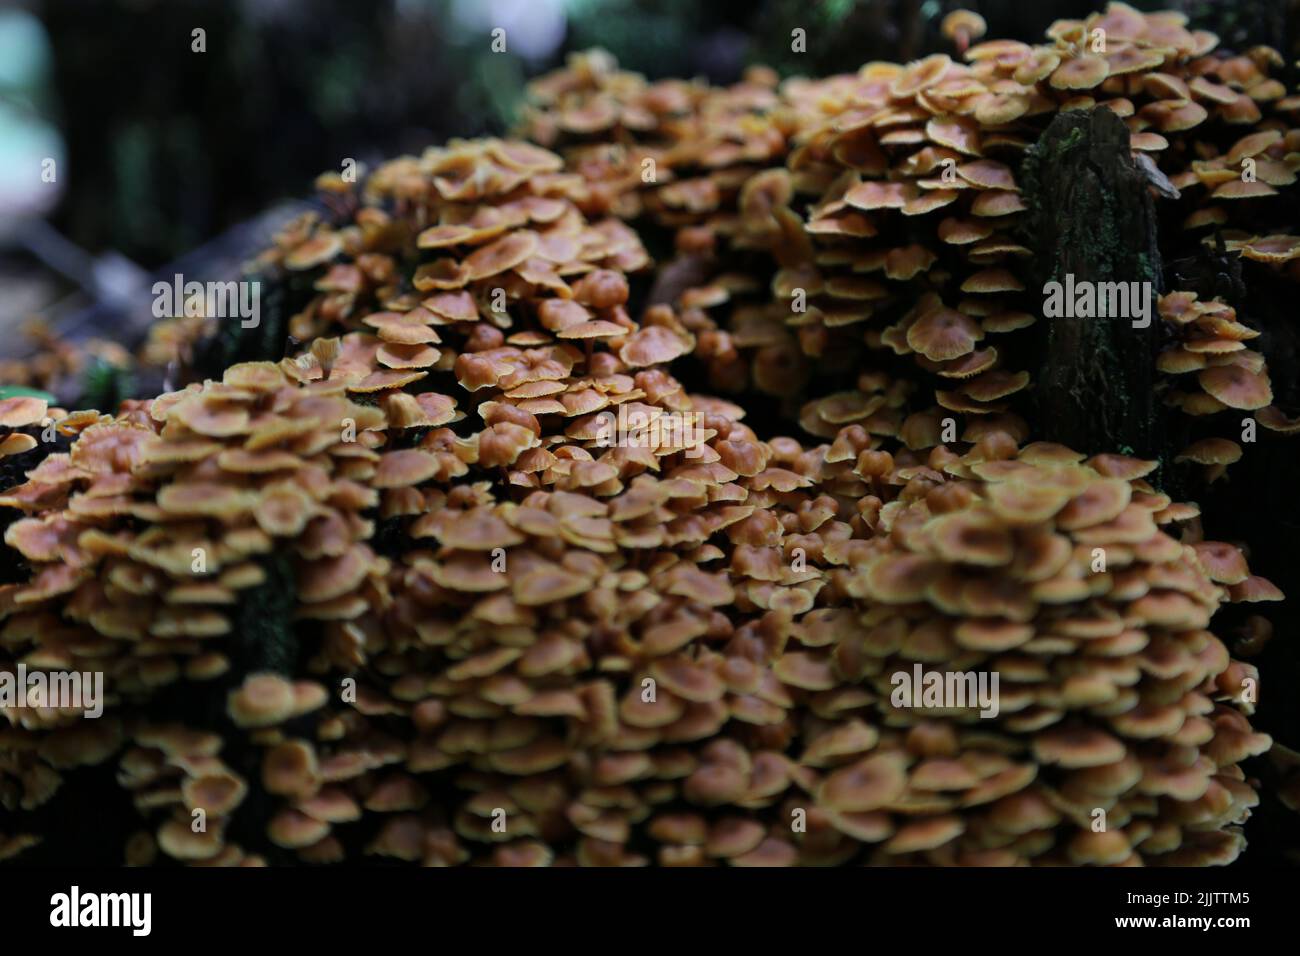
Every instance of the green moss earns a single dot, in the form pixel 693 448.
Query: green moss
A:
pixel 1068 144
pixel 105 386
pixel 14 391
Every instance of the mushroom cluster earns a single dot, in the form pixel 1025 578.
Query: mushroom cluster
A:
pixel 1228 375
pixel 681 153
pixel 143 536
pixel 54 360
pixel 910 243
pixel 476 578
pixel 497 222
pixel 29 421
pixel 18 412
pixel 578 653
pixel 1064 577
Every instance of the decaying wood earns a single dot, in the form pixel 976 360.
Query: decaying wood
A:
pixel 1091 216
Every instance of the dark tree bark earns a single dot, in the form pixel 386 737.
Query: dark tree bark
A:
pixel 1091 216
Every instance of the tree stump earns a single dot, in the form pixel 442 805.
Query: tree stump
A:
pixel 1091 217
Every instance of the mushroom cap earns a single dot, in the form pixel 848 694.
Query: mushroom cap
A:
pixel 653 345
pixel 181 842
pixel 1272 418
pixel 1255 588
pixel 865 785
pixel 965 23
pixel 943 334
pixel 19 411
pixel 1211 451
pixel 217 792
pixel 294 830
pixel 1077 747
pixel 261 701
pixel 1081 73
pixel 1237 387
pixel 928 833
pixel 988 174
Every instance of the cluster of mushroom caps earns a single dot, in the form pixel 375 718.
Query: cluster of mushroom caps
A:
pixel 55 361
pixel 1228 375
pixel 553 608
pixel 680 153
pixel 818 220
pixel 673 650
pixel 27 421
pixel 16 413
pixel 698 655
pixel 891 219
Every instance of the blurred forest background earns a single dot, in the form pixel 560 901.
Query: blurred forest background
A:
pixel 169 160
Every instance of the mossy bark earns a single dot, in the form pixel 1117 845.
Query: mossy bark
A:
pixel 1091 216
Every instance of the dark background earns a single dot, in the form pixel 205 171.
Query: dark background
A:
pixel 166 148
